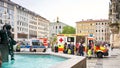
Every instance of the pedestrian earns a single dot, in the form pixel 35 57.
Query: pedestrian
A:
pixel 81 50
pixel 69 50
pixel 77 48
pixel 18 47
pixel 72 48
pixel 48 45
pixel 112 47
pixel 89 52
pixel 56 47
pixel 65 48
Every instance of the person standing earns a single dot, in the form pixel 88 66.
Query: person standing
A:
pixel 18 47
pixel 56 47
pixel 65 48
pixel 89 52
pixel 81 49
pixel 72 49
pixel 69 48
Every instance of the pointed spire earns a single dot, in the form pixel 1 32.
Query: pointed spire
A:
pixel 57 20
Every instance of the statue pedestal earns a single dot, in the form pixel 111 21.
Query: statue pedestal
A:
pixel 4 52
pixel 0 61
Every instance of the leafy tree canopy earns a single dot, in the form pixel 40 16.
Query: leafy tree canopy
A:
pixel 68 30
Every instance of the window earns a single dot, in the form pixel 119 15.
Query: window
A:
pixel 102 23
pixel 70 39
pixel 80 31
pixel 1 3
pixel 59 27
pixel 102 30
pixel 91 24
pixel 105 23
pixel 53 27
pixel 12 29
pixel 56 27
pixel 102 38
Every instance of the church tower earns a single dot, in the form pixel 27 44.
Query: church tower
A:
pixel 114 17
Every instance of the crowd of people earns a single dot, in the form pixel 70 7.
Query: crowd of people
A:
pixel 70 48
pixel 80 48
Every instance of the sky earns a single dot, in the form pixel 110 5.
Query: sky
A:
pixel 68 11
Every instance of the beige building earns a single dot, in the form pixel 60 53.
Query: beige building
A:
pixel 114 16
pixel 25 23
pixel 95 28
pixel 85 27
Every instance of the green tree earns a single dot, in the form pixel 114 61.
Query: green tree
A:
pixel 68 30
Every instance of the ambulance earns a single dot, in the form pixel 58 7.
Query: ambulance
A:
pixel 34 45
pixel 44 41
pixel 97 50
pixel 69 39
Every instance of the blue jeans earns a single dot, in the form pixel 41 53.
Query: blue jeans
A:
pixel 81 54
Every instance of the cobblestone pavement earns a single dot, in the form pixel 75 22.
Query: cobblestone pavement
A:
pixel 112 61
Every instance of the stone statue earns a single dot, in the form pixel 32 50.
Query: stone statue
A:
pixel 6 43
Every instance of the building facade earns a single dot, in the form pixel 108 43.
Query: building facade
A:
pixel 6 13
pixel 85 27
pixel 25 23
pixel 56 28
pixel 95 28
pixel 114 17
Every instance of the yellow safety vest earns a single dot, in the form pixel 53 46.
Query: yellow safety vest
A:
pixel 89 52
pixel 69 51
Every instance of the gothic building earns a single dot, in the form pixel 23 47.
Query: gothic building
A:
pixel 114 17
